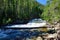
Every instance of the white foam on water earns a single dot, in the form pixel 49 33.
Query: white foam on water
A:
pixel 29 25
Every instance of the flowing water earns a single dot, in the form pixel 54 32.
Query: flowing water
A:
pixel 14 34
pixel 7 34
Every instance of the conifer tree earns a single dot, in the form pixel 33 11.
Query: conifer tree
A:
pixel 11 10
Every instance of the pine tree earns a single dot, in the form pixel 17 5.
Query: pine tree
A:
pixel 11 10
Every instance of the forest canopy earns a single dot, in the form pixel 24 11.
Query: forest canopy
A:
pixel 12 10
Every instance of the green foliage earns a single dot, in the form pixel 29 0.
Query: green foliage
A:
pixel 11 10
pixel 52 11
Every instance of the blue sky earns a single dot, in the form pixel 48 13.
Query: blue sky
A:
pixel 42 1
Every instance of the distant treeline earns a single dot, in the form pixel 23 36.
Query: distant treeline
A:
pixel 12 10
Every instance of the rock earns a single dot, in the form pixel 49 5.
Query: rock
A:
pixel 58 33
pixel 39 38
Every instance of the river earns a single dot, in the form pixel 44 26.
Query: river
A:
pixel 8 34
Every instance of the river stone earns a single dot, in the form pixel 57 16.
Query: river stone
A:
pixel 39 38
